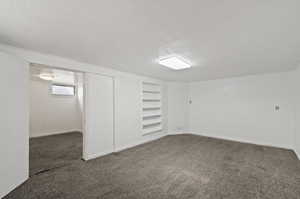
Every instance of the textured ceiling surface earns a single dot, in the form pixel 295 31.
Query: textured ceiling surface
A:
pixel 222 38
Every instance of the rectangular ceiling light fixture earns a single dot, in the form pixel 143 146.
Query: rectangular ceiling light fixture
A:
pixel 175 63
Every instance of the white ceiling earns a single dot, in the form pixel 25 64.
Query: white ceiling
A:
pixel 222 38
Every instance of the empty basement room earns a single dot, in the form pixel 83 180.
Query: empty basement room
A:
pixel 150 99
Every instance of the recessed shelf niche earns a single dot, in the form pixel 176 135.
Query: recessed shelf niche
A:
pixel 151 108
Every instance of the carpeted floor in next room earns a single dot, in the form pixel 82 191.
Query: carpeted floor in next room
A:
pixel 174 167
pixel 54 151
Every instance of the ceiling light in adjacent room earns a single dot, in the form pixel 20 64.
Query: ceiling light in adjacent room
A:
pixel 174 62
pixel 46 76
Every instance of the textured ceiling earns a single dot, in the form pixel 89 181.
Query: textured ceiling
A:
pixel 222 38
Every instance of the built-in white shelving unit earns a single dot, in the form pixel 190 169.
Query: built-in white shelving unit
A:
pixel 151 108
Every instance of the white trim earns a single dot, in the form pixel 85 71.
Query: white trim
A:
pixel 118 149
pixel 55 133
pixel 240 140
pixel 13 187
pixel 244 141
pixel 93 156
pixel 297 154
pixel 177 133
pixel 122 148
pixel 114 112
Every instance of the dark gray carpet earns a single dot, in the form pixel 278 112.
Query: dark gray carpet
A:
pixel 174 167
pixel 54 151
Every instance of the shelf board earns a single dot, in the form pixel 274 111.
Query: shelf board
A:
pixel 153 129
pixel 152 121
pixel 147 91
pixel 151 83
pixel 151 107
pixel 151 100
pixel 145 115
pixel 152 117
pixel 151 96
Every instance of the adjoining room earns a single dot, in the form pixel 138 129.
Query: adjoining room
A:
pixel 56 118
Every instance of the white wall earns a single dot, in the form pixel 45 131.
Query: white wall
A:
pixel 98 136
pixel 128 112
pixel 80 91
pixel 178 95
pixel 14 122
pixel 124 83
pixel 50 114
pixel 244 109
pixel 297 112
pixel 254 96
pixel 127 103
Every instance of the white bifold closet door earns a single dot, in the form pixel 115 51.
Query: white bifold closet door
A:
pixel 98 137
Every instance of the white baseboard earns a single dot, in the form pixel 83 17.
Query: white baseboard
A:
pixel 176 133
pixel 128 146
pixel 121 148
pixel 97 155
pixel 14 186
pixel 297 154
pixel 240 140
pixel 54 133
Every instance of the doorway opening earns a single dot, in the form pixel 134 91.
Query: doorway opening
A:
pixel 56 118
